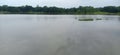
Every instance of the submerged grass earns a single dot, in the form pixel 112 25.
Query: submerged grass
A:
pixel 98 19
pixel 86 19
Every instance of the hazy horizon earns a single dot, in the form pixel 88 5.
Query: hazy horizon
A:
pixel 61 3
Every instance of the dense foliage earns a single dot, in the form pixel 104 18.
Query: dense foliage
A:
pixel 55 10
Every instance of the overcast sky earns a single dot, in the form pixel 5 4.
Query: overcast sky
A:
pixel 61 3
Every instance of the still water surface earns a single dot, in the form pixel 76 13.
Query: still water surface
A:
pixel 59 35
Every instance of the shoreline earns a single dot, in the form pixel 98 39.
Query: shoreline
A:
pixel 65 14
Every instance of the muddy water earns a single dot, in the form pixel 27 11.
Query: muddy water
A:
pixel 59 35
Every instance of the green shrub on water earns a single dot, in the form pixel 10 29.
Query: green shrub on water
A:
pixel 86 19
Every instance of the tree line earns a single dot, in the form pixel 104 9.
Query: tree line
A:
pixel 56 10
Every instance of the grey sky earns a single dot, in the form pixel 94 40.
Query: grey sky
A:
pixel 61 3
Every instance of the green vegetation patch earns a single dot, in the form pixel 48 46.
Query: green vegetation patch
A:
pixel 27 9
pixel 85 19
pixel 98 19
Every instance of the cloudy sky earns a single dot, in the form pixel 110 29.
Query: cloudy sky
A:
pixel 61 3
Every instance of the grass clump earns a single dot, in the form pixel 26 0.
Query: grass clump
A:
pixel 85 19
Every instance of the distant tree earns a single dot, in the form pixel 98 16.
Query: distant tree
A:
pixel 57 10
pixel 118 8
pixel 0 8
pixel 4 7
pixel 26 8
pixel 110 9
pixel 13 9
